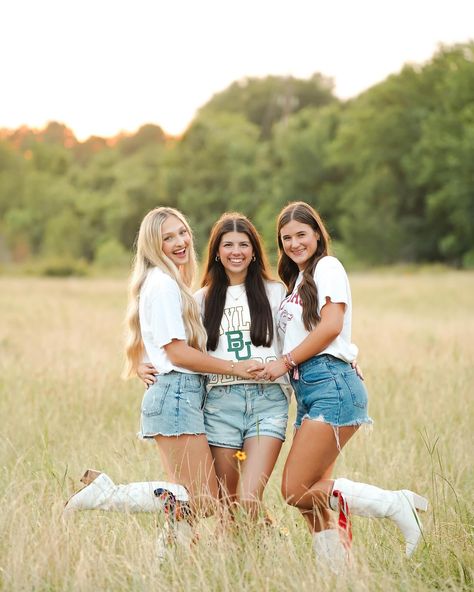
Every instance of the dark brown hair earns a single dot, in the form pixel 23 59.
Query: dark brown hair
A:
pixel 217 282
pixel 287 268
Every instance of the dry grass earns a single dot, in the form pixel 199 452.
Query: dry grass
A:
pixel 64 408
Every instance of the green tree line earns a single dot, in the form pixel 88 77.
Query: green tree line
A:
pixel 391 171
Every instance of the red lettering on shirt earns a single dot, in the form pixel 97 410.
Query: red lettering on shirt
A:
pixel 296 299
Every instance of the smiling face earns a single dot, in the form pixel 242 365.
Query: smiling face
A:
pixel 176 240
pixel 299 242
pixel 235 253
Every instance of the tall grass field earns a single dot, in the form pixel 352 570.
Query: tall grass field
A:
pixel 64 408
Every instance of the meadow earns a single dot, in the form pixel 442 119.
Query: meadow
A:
pixel 64 408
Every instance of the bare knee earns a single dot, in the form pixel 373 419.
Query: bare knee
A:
pixel 203 506
pixel 304 497
pixel 291 494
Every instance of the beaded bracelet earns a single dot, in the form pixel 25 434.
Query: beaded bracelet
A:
pixel 292 365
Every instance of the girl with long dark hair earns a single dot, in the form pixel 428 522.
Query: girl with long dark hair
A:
pixel 239 302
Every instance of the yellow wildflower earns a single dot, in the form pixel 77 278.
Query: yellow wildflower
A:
pixel 240 455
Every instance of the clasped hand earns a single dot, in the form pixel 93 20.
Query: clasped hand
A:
pixel 243 369
pixel 272 370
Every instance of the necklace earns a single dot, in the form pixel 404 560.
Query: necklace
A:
pixel 235 298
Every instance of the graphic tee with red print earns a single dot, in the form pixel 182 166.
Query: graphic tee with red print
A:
pixel 332 282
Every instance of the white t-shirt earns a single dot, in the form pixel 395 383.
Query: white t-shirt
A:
pixel 331 281
pixel 234 336
pixel 161 319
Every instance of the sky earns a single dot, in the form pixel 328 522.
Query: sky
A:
pixel 106 66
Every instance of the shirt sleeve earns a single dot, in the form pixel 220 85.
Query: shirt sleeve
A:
pixel 331 281
pixel 199 298
pixel 276 293
pixel 166 315
pixel 281 293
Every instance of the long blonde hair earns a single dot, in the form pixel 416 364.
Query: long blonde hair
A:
pixel 150 254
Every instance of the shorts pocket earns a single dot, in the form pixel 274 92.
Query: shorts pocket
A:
pixel 194 392
pixel 216 392
pixel 193 383
pixel 273 392
pixel 356 388
pixel 154 398
pixel 316 375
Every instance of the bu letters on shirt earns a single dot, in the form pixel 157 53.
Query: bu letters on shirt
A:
pixel 236 345
pixel 232 326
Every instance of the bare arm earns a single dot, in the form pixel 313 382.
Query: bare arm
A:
pixel 332 319
pixel 329 327
pixel 181 354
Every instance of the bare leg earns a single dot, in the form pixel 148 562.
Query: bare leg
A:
pixel 262 453
pixel 227 471
pixel 244 482
pixel 306 483
pixel 188 461
pixel 324 518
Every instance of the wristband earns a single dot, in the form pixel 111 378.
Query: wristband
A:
pixel 293 366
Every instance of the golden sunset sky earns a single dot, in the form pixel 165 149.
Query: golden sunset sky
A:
pixel 102 66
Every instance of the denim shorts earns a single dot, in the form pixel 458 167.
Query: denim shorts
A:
pixel 329 390
pixel 172 406
pixel 236 412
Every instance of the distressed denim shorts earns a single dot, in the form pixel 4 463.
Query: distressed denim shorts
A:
pixel 172 406
pixel 236 412
pixel 329 390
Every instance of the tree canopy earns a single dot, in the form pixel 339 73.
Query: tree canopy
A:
pixel 391 171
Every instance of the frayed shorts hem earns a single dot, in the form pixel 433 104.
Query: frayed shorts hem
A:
pixel 367 421
pixel 141 436
pixel 239 446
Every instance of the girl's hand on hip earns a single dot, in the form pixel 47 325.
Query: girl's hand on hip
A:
pixel 147 372
pixel 358 369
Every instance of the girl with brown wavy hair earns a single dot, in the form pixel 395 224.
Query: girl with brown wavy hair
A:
pixel 315 325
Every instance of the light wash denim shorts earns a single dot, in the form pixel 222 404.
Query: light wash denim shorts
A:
pixel 172 406
pixel 236 412
pixel 329 390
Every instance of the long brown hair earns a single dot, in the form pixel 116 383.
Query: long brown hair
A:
pixel 150 254
pixel 287 268
pixel 217 282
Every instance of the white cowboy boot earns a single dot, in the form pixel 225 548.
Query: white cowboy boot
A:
pixel 175 533
pixel 103 494
pixel 177 530
pixel 368 500
pixel 330 551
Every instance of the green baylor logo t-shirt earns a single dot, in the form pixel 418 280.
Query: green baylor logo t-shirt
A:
pixel 234 337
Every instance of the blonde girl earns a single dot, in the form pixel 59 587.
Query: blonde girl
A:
pixel 164 328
